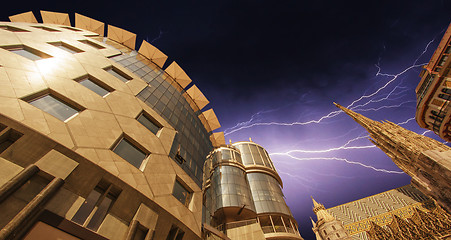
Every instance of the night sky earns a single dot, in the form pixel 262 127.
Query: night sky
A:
pixel 271 70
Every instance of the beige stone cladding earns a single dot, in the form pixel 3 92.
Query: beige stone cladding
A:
pixel 80 148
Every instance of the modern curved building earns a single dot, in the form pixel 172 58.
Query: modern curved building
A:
pixel 434 91
pixel 97 139
pixel 243 195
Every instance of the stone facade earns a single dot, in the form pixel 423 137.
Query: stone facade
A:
pixel 93 137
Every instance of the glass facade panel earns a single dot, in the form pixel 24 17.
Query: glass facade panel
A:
pixel 181 193
pixel 27 54
pixel 257 158
pixel 268 196
pixel 226 154
pixel 100 214
pixel 87 207
pixel 53 106
pixel 245 154
pixel 149 124
pixel 130 153
pixel 119 75
pixel 230 189
pixel 88 83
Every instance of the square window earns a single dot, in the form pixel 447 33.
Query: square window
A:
pixel 12 29
pixel 66 47
pixel 181 193
pixel 90 83
pixel 54 106
pixel 27 52
pixel 118 74
pixel 92 44
pixel 47 29
pixel 126 150
pixel 149 123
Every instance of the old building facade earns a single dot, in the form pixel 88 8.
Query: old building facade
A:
pixel 434 91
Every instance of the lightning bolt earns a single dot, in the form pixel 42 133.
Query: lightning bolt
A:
pixel 394 77
pixel 342 160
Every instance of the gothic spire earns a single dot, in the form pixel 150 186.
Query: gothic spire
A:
pixel 321 212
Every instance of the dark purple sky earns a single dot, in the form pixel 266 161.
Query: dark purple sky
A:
pixel 267 64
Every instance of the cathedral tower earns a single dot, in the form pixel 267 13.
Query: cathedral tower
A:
pixel 327 227
pixel 426 160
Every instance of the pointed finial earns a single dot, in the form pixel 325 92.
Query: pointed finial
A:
pixel 313 222
pixel 315 204
pixel 230 141
pixel 250 139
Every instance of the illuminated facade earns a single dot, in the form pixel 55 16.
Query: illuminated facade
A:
pixel 243 196
pixel 97 140
pixel 434 91
pixel 401 213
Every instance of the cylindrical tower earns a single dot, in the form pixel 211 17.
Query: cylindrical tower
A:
pixel 231 199
pixel 243 195
pixel 274 216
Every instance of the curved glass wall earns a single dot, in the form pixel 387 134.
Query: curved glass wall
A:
pixel 230 188
pixel 253 154
pixel 267 195
pixel 165 96
pixel 225 154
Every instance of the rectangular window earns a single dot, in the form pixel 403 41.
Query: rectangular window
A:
pixel 175 233
pixel 12 29
pixel 126 150
pixel 71 28
pixel 181 193
pixel 91 83
pixel 92 44
pixel 118 74
pixel 96 206
pixel 47 29
pixel 27 52
pixel 7 137
pixel 54 106
pixel 66 47
pixel 149 123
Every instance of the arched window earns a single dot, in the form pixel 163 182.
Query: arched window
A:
pixel 333 227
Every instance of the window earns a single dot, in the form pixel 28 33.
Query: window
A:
pixel 175 233
pixel 444 96
pixel 96 206
pixel 149 123
pixel 446 90
pixel 7 137
pixel 92 84
pixel 126 150
pixel 66 47
pixel 54 106
pixel 27 52
pixel 141 233
pixel 338 235
pixel 71 28
pixel 333 227
pixel 118 74
pixel 442 60
pixel 12 29
pixel 181 193
pixel 47 29
pixel 92 44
